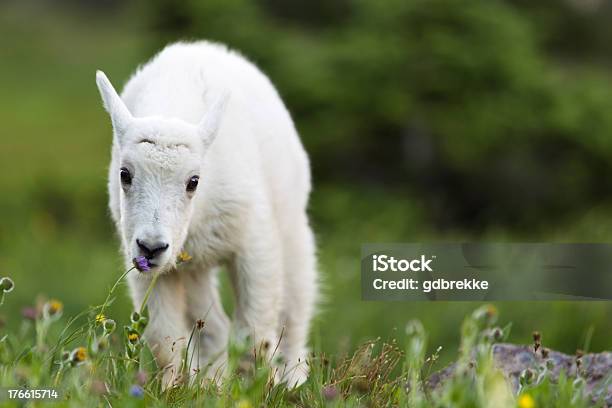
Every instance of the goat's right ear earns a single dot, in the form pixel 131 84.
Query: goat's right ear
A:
pixel 119 113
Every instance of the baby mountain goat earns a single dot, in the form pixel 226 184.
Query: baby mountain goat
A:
pixel 206 159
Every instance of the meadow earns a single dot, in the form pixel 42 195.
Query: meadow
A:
pixel 57 243
pixel 112 367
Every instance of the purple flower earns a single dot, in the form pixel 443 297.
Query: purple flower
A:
pixel 330 392
pixel 141 263
pixel 29 313
pixel 141 377
pixel 136 391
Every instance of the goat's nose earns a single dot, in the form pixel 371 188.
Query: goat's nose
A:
pixel 151 250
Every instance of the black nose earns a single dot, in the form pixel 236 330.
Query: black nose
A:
pixel 151 250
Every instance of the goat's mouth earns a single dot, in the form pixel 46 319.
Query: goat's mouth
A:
pixel 153 261
pixel 157 263
pixel 144 263
pixel 160 264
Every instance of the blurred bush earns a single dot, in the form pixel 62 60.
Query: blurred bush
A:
pixel 458 103
pixel 425 121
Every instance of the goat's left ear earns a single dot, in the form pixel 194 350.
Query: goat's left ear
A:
pixel 119 113
pixel 210 123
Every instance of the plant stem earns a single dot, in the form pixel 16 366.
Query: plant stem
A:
pixel 148 293
pixel 113 289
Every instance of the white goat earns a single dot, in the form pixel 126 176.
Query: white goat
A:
pixel 200 112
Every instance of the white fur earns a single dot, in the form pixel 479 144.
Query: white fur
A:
pixel 201 109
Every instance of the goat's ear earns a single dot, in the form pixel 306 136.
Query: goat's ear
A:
pixel 119 113
pixel 210 123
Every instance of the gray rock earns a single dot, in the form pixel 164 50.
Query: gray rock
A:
pixel 512 359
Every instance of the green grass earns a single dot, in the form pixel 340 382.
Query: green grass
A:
pixel 90 362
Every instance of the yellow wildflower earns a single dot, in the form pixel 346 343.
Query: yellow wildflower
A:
pixel 79 355
pixel 100 318
pixel 492 311
pixel 526 401
pixel 184 257
pixel 133 337
pixel 53 308
pixel 244 403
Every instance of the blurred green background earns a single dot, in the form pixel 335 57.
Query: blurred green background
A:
pixel 425 121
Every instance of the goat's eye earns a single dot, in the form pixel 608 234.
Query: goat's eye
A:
pixel 126 177
pixel 192 184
